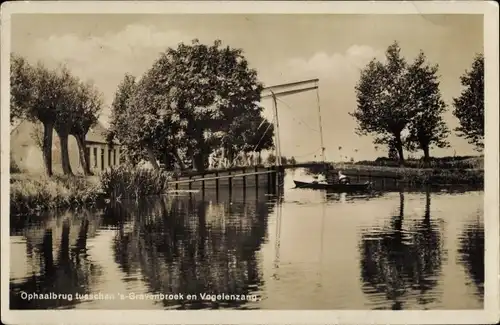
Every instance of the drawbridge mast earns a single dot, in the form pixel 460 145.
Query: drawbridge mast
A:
pixel 288 89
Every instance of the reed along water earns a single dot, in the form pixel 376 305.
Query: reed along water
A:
pixel 246 249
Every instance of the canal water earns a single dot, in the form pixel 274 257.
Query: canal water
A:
pixel 304 249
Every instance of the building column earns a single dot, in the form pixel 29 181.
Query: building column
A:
pixel 98 158
pixel 91 157
pixel 106 157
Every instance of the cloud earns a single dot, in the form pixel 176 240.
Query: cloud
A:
pixel 337 66
pixel 128 43
pixel 105 59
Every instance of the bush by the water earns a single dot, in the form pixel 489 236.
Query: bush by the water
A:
pixel 128 182
pixel 30 193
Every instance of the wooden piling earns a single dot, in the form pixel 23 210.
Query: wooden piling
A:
pixel 273 180
pixel 269 185
pixel 256 177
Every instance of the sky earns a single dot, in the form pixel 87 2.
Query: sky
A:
pixel 281 48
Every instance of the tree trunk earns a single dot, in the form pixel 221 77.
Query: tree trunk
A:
pixel 425 149
pixel 48 128
pixel 66 164
pixel 84 159
pixel 399 148
pixel 179 160
pixel 152 159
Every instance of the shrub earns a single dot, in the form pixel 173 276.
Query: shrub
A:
pixel 29 193
pixel 129 182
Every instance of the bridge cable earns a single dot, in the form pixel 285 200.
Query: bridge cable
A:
pixel 301 120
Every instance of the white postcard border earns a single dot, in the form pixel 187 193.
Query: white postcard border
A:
pixel 490 314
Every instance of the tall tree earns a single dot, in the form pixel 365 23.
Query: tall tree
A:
pixel 88 103
pixel 37 94
pixel 208 87
pixel 383 108
pixel 189 102
pixel 427 127
pixel 469 106
pixel 144 122
pixel 66 114
pixel 21 75
pixel 121 121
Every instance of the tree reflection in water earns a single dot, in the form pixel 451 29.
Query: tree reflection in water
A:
pixel 401 263
pixel 194 245
pixel 57 260
pixel 471 253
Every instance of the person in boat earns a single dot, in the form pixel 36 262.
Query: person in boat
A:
pixel 343 179
pixel 319 179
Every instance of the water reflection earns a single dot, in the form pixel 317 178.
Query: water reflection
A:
pixel 408 250
pixel 402 260
pixel 471 253
pixel 191 246
pixel 56 252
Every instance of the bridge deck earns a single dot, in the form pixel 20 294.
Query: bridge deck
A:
pixel 200 179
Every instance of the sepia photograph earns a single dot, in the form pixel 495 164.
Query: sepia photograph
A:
pixel 255 162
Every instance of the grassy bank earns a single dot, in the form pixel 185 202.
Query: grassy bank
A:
pixel 456 162
pixel 417 176
pixel 34 193
pixel 438 171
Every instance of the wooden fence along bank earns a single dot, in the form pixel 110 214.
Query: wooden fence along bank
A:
pixel 257 177
pixel 260 178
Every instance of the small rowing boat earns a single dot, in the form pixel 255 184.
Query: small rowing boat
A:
pixel 356 187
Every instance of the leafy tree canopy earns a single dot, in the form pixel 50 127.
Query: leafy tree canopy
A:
pixel 396 96
pixel 469 106
pixel 383 108
pixel 193 99
pixel 427 127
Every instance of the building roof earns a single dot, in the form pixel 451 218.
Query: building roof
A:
pixel 97 134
